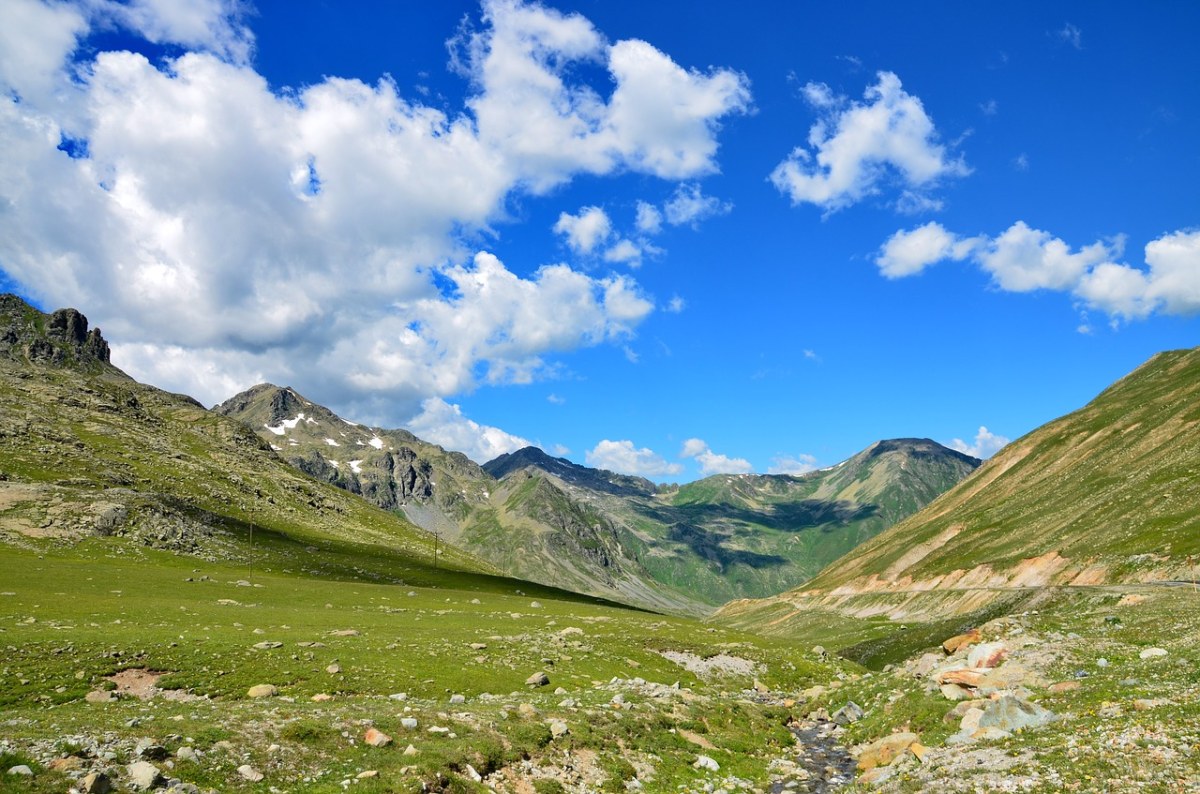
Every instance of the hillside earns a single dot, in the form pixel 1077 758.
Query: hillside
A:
pixel 1104 495
pixel 678 549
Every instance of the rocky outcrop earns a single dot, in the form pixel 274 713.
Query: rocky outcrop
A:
pixel 61 338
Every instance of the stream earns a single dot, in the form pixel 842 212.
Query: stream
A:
pixel 824 765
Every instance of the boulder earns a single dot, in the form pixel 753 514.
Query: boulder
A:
pixel 960 641
pixel 1063 686
pixel 94 783
pixel 988 655
pixel 962 677
pixel 143 776
pixel 883 752
pixel 704 762
pixel 249 773
pixel 538 679
pixel 851 712
pixel 376 738
pixel 262 691
pixel 1152 653
pixel 1010 714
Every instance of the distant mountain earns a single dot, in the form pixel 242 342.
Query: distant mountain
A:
pixel 680 549
pixel 87 452
pixel 1106 494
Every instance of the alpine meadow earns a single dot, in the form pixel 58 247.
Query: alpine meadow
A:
pixel 535 396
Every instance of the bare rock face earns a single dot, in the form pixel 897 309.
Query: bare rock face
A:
pixel 58 339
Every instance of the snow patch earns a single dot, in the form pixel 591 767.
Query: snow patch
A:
pixel 332 443
pixel 356 466
pixel 376 442
pixel 334 463
pixel 277 449
pixel 286 425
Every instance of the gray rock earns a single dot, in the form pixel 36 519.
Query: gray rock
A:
pixel 143 776
pixel 1013 714
pixel 20 769
pixel 95 783
pixel 267 646
pixel 457 699
pixel 851 712
pixel 537 679
pixel 558 728
pixel 409 723
pixel 262 691
pixel 249 773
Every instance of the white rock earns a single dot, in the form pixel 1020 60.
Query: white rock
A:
pixel 250 773
pixel 704 762
pixel 1152 653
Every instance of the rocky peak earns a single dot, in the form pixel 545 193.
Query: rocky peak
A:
pixel 61 338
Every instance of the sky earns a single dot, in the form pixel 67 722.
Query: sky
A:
pixel 669 239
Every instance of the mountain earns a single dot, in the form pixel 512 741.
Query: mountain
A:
pixel 1104 495
pixel 678 549
pixel 87 452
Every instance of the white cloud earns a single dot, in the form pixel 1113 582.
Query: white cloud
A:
pixel 985 444
pixel 625 251
pixel 1071 34
pixel 854 148
pixel 989 108
pixel 649 219
pixel 555 399
pixel 676 305
pixel 443 424
pixel 792 464
pixel 908 253
pixel 1021 162
pixel 711 462
pixel 586 230
pixel 316 235
pixel 623 457
pixel 1023 259
pixel 689 205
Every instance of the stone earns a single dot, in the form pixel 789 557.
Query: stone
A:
pixel 876 775
pixel 988 654
pixel 919 750
pixel 267 646
pixel 143 775
pixel 20 769
pixel 883 752
pixel 94 783
pixel 68 763
pixel 367 774
pixel 1146 704
pixel 990 734
pixel 1131 599
pixel 527 710
pixel 851 712
pixel 955 692
pixel 704 762
pixel 188 754
pixel 970 720
pixel 473 773
pixel 558 728
pixel 479 646
pixel 962 707
pixel 333 669
pixel 1010 714
pixel 100 696
pixel 409 723
pixel 322 697
pixel 960 641
pixel 457 699
pixel 344 633
pixel 262 691
pixel 376 738
pixel 1152 653
pixel 538 679
pixel 1063 686
pixel 151 751
pixel 410 751
pixel 962 677
pixel 249 773
pixel 398 696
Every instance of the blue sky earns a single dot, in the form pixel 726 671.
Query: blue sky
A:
pixel 667 238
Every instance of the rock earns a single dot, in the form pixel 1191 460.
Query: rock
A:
pixel 474 774
pixel 538 679
pixel 883 752
pixel 322 697
pixel 1131 599
pixel 1102 662
pixel 527 710
pixel 990 734
pixel 970 720
pixel 151 751
pixel 367 774
pixel 249 773
pixel 1063 686
pixel 333 669
pixel 20 769
pixel 479 646
pixel 851 712
pixel 188 754
pixel 814 692
pixel 344 633
pixel 876 775
pixel 398 696
pixel 535 604
pixel 1146 704
pixel 955 692
pixel 262 691
pixel 960 641
pixel 919 750
pixel 376 738
pixel 1013 714
pixel 95 783
pixel 1010 675
pixel 704 762
pixel 988 655
pixel 962 677
pixel 962 707
pixel 456 699
pixel 558 728
pixel 100 696
pixel 143 775
pixel 267 646
pixel 1152 653
pixel 410 751
pixel 67 763
pixel 409 723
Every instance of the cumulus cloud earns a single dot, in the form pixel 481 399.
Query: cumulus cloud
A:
pixel 712 463
pixel 649 219
pixel 585 230
pixel 625 251
pixel 985 444
pixel 792 464
pixel 443 423
pixel 1024 259
pixel 690 206
pixel 624 458
pixel 318 235
pixel 1072 35
pixel 907 253
pixel 856 148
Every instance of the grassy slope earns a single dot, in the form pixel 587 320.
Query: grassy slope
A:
pixel 1112 481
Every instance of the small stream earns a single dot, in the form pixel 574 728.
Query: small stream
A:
pixel 826 764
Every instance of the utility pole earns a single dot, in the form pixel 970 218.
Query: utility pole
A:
pixel 437 536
